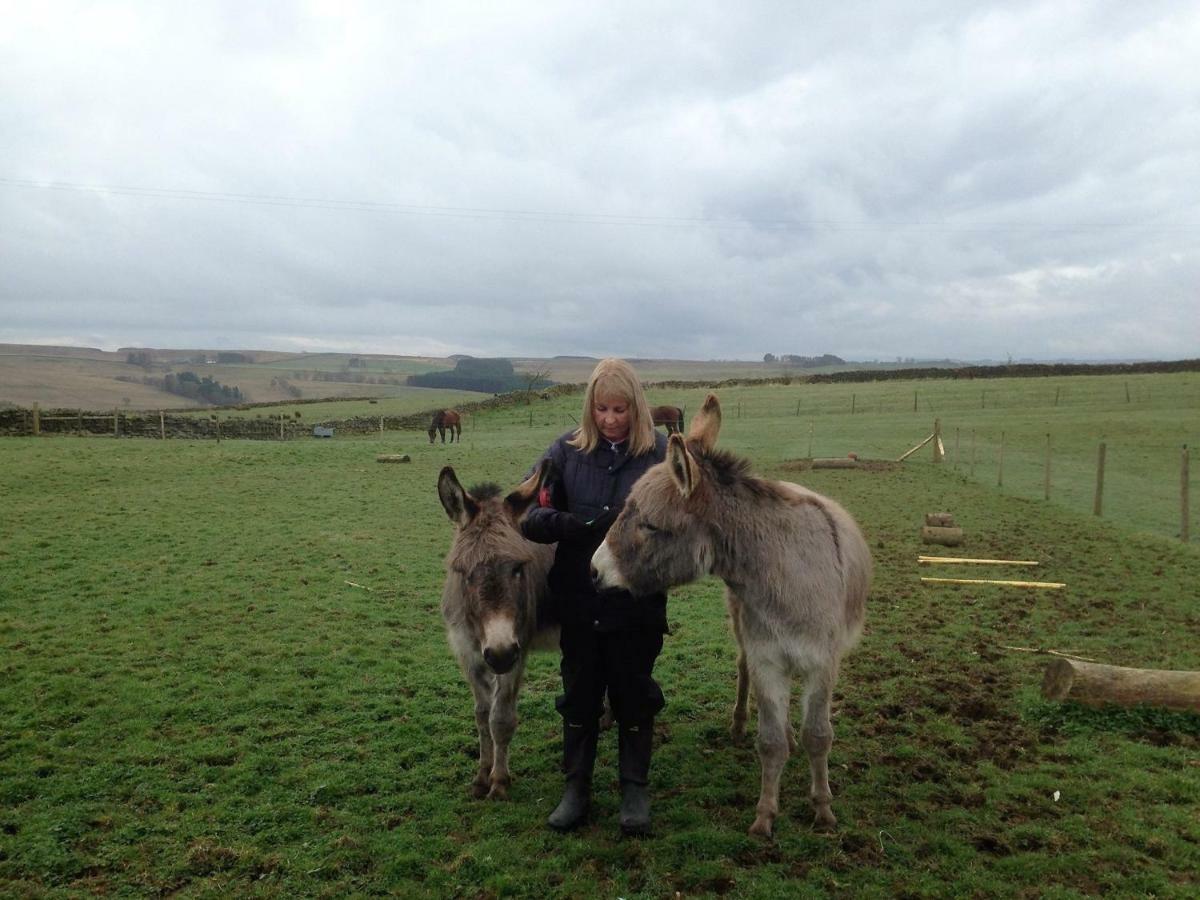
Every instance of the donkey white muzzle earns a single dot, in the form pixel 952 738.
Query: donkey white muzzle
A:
pixel 501 649
pixel 605 575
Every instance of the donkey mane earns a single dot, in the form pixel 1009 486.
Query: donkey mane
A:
pixel 485 491
pixel 733 471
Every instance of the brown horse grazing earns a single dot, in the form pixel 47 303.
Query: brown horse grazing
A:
pixel 796 570
pixel 494 605
pixel 671 416
pixel 443 420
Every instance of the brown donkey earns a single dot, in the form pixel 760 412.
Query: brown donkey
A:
pixel 796 570
pixel 494 604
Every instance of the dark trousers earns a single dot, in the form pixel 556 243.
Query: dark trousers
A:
pixel 619 662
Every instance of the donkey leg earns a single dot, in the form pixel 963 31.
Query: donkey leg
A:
pixel 502 723
pixel 737 730
pixel 817 736
pixel 772 690
pixel 482 690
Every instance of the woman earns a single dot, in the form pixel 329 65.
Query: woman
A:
pixel 610 642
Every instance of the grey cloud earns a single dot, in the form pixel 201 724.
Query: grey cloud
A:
pixel 930 179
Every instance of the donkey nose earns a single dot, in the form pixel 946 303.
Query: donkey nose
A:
pixel 501 660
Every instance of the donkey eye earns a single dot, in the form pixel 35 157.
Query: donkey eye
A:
pixel 518 570
pixel 652 529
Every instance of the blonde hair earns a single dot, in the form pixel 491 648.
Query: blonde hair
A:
pixel 615 379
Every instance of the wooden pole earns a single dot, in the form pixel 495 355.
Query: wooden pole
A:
pixel 1054 585
pixel 1096 684
pixel 162 425
pixel 1098 505
pixel 853 402
pixel 962 561
pixel 116 423
pixel 1047 484
pixel 1183 496
pixel 972 452
pixel 79 412
pixel 939 452
pixel 381 424
pixel 956 441
pixel 797 407
pixel 37 420
pixel 811 426
pixel 905 456
pixel 1127 392
pixel 1000 471
pixel 914 401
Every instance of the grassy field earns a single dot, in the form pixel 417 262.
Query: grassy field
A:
pixel 224 672
pixel 402 402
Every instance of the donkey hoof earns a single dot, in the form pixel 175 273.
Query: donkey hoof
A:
pixel 498 792
pixel 824 819
pixel 479 789
pixel 737 731
pixel 762 827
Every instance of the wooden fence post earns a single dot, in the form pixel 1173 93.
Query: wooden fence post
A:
pixel 79 412
pixel 162 425
pixel 853 402
pixel 972 452
pixel 1183 496
pixel 116 423
pixel 1098 505
pixel 914 401
pixel 1047 486
pixel 956 442
pixel 939 453
pixel 1000 471
pixel 811 425
pixel 797 407
pixel 37 420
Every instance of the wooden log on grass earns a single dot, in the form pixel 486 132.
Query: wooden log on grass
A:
pixel 940 519
pixel 947 537
pixel 393 458
pixel 835 462
pixel 1095 684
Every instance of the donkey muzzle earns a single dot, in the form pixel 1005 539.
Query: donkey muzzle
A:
pixel 501 659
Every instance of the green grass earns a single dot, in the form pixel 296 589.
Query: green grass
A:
pixel 223 671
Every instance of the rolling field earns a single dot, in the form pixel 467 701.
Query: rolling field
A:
pixel 224 670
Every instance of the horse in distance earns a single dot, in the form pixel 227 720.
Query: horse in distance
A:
pixel 796 569
pixel 495 607
pixel 446 420
pixel 670 416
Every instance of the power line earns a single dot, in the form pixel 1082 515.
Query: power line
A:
pixel 573 218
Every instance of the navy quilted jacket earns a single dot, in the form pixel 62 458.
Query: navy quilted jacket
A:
pixel 591 488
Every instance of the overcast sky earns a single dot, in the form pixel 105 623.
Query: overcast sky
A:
pixel 695 180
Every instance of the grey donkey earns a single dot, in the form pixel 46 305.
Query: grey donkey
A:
pixel 796 569
pixel 494 603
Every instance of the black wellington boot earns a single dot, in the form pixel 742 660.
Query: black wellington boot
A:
pixel 579 757
pixel 634 744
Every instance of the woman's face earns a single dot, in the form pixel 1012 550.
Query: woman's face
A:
pixel 611 415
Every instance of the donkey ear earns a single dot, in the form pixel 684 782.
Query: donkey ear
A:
pixel 526 492
pixel 684 471
pixel 459 505
pixel 706 424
